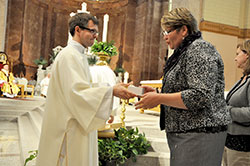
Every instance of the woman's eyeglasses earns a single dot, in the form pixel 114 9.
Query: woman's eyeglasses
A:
pixel 244 51
pixel 164 33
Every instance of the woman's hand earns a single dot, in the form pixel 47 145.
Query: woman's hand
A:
pixel 148 100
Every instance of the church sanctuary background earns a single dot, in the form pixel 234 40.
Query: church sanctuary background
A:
pixel 29 29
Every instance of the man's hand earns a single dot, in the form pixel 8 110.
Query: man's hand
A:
pixel 148 89
pixel 120 90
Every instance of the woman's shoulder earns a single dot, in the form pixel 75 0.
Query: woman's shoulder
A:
pixel 200 43
pixel 202 48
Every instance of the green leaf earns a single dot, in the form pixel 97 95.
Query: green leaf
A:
pixel 126 144
pixel 105 47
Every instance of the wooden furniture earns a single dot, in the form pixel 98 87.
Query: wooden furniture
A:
pixel 155 84
pixel 25 89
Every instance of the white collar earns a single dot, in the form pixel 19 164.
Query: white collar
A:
pixel 77 46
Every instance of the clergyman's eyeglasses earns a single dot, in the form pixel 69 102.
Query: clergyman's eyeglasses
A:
pixel 92 31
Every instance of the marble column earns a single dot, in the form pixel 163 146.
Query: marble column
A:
pixel 3 14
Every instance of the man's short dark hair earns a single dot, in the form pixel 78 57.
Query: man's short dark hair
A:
pixel 80 19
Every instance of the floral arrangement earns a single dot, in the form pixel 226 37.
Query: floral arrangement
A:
pixel 55 52
pixel 106 48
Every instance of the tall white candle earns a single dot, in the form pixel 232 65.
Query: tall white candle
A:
pixel 126 76
pixel 84 7
pixel 105 27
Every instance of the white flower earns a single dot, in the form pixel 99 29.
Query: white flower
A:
pixel 57 49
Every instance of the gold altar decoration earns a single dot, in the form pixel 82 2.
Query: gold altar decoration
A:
pixel 124 103
pixel 3 58
pixel 103 58
pixel 108 130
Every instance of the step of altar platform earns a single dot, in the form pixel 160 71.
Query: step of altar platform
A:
pixel 29 125
pixel 11 108
pixel 29 128
pixel 21 117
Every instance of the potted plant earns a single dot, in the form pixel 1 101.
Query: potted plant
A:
pixel 119 70
pixel 104 50
pixel 40 62
pixel 126 144
pixel 92 58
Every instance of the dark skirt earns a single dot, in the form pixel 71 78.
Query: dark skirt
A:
pixel 196 149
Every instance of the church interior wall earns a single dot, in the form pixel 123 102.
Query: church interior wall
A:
pixel 248 14
pixel 127 38
pixel 163 51
pixel 222 11
pixel 225 25
pixel 195 6
pixel 14 30
pixel 34 27
pixel 3 16
pixel 148 48
pixel 226 46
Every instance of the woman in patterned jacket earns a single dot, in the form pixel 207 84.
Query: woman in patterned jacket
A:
pixel 193 108
pixel 237 151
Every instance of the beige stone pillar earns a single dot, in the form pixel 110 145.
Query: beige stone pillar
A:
pixel 3 14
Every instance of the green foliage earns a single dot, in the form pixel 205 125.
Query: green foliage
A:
pixel 119 70
pixel 40 61
pixel 32 156
pixel 107 48
pixel 92 59
pixel 126 144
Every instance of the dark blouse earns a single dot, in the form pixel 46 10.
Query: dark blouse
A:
pixel 238 142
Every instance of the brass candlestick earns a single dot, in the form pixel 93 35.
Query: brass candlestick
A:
pixel 124 102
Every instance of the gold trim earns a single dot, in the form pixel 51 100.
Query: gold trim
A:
pixel 224 29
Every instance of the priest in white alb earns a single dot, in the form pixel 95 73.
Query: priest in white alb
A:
pixel 75 108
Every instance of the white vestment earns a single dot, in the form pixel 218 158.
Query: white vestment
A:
pixel 104 74
pixel 44 85
pixel 74 111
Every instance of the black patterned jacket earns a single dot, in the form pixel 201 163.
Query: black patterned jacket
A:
pixel 199 76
